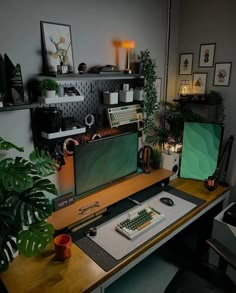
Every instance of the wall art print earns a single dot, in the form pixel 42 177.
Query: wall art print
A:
pixel 222 73
pixel 57 46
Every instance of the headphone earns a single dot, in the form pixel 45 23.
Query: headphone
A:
pixel 68 146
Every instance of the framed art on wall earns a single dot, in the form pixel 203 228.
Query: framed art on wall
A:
pixel 207 55
pixel 185 63
pixel 57 47
pixel 199 83
pixel 222 73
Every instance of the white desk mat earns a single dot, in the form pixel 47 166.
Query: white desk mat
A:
pixel 119 246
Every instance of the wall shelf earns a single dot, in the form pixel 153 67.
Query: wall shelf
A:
pixel 91 76
pixel 63 133
pixel 65 99
pixel 18 107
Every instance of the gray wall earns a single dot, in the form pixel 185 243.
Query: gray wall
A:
pixel 211 21
pixel 94 25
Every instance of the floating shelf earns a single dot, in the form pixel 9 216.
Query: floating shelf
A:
pixel 92 76
pixel 65 99
pixel 63 133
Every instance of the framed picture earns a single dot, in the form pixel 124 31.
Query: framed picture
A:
pixel 199 83
pixel 158 89
pixel 207 55
pixel 57 47
pixel 186 63
pixel 222 74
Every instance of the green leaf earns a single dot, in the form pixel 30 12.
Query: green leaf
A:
pixel 6 145
pixel 43 164
pixel 8 250
pixel 34 240
pixel 30 207
pixel 44 185
pixel 14 174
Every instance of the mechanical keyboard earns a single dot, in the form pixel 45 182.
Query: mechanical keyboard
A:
pixel 138 221
pixel 124 115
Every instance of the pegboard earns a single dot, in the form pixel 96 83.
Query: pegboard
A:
pixel 78 110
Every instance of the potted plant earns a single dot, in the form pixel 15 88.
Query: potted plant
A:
pixel 49 87
pixel 156 157
pixel 24 206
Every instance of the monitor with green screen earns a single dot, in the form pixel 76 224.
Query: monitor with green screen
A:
pixel 201 145
pixel 102 161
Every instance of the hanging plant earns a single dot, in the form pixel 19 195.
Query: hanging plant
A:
pixel 150 96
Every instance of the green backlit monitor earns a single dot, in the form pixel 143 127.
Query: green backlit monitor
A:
pixel 102 161
pixel 200 152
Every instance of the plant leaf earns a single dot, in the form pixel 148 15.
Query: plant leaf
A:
pixel 43 164
pixel 34 240
pixel 8 249
pixel 42 184
pixel 14 174
pixel 30 206
pixel 6 145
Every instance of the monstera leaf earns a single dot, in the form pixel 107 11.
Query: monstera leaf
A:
pixel 34 240
pixel 8 250
pixel 6 145
pixel 30 207
pixel 14 174
pixel 43 164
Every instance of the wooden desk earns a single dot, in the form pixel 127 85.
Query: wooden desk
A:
pixel 82 274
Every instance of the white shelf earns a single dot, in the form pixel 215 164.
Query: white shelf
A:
pixel 63 133
pixel 66 99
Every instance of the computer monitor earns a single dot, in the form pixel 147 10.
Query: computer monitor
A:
pixel 101 162
pixel 200 152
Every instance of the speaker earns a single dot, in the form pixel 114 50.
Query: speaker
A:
pixel 171 162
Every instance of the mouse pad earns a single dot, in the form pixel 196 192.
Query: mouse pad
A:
pixel 107 237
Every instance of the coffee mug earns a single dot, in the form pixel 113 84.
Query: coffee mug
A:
pixel 62 246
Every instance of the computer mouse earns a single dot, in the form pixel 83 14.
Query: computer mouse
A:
pixel 167 201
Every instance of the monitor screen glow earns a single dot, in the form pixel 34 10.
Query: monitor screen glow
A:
pixel 103 161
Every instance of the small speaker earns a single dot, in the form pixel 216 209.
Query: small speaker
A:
pixel 171 162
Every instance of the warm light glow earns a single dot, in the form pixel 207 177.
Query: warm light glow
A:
pixel 128 44
pixel 184 87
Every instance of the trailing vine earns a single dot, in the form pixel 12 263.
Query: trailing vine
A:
pixel 149 71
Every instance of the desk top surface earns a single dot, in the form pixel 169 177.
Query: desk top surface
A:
pixel 80 273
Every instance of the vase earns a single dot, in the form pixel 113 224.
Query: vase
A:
pixel 50 94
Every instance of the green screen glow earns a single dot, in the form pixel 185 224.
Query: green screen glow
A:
pixel 201 144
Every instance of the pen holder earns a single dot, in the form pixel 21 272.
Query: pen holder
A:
pixel 62 246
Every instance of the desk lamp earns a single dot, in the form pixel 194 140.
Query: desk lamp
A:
pixel 184 88
pixel 128 45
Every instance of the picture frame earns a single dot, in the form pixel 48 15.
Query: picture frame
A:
pixel 185 63
pixel 57 47
pixel 207 55
pixel 222 73
pixel 199 82
pixel 158 89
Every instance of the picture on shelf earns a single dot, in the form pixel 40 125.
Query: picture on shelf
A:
pixel 222 74
pixel 57 47
pixel 199 83
pixel 186 64
pixel 207 55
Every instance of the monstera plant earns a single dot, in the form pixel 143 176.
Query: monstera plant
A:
pixel 24 206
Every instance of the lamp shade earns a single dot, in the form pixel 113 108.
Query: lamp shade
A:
pixel 128 44
pixel 185 87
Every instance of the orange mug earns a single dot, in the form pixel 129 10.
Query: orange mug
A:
pixel 62 246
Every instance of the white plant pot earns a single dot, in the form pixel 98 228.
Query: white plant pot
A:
pixel 50 94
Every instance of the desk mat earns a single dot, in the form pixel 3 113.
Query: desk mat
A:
pixel 105 259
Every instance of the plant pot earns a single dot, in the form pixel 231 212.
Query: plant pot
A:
pixel 50 94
